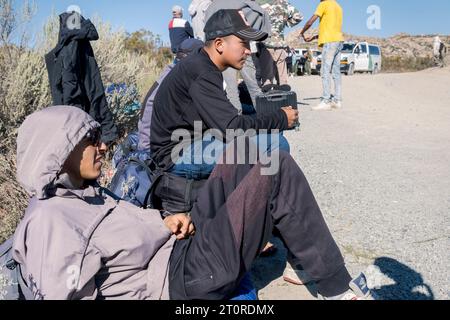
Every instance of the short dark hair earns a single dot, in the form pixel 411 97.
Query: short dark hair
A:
pixel 209 43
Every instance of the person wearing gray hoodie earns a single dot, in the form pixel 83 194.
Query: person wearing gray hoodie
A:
pixel 78 241
pixel 75 241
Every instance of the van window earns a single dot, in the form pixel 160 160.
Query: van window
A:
pixel 348 47
pixel 374 50
pixel 363 48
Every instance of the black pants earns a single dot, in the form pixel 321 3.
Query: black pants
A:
pixel 265 66
pixel 234 217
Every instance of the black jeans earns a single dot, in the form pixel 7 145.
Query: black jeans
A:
pixel 234 217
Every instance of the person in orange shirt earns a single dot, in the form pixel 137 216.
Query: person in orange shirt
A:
pixel 331 40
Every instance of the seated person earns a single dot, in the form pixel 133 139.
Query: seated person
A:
pixel 192 99
pixel 77 241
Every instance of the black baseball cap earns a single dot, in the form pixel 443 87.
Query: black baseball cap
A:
pixel 230 22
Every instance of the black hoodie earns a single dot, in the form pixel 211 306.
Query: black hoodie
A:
pixel 74 75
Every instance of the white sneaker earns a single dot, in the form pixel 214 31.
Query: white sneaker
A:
pixel 336 104
pixel 322 106
pixel 296 276
pixel 358 291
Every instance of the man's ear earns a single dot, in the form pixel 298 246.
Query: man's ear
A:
pixel 219 45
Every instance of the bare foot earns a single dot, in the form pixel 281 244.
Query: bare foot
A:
pixel 269 250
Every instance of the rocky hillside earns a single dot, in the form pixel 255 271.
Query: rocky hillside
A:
pixel 401 45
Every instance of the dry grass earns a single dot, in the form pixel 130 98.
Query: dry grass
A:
pixel 24 88
pixel 406 64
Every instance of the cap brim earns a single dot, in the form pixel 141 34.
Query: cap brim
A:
pixel 251 34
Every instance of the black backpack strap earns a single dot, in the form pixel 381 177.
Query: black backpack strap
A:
pixel 150 197
pixel 156 174
pixel 188 193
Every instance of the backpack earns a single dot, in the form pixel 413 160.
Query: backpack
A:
pixel 135 173
pixel 12 284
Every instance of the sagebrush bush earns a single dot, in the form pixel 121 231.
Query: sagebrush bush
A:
pixel 406 64
pixel 24 88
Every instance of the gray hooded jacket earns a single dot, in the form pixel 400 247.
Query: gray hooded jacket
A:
pixel 82 244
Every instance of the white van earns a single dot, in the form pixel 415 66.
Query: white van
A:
pixel 360 57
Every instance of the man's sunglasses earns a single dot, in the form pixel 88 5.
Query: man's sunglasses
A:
pixel 94 136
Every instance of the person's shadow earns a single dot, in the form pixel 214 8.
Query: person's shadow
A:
pixel 409 284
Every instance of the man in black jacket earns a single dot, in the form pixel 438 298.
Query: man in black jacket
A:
pixel 194 91
pixel 74 75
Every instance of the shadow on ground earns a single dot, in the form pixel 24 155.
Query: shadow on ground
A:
pixel 409 284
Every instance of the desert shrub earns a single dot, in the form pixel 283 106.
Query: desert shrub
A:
pixel 14 199
pixel 406 64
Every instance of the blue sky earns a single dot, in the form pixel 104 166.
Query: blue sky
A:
pixel 411 16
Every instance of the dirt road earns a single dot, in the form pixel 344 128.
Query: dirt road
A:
pixel 380 170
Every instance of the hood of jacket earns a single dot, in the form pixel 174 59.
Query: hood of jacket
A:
pixel 74 27
pixel 45 140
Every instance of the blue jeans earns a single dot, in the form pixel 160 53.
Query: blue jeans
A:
pixel 196 164
pixel 331 68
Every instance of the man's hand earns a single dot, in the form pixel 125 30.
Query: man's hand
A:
pixel 292 115
pixel 180 225
pixel 309 39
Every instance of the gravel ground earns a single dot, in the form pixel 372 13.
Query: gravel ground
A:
pixel 380 170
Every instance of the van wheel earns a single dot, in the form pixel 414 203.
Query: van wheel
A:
pixel 351 70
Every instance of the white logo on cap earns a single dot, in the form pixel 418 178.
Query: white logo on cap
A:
pixel 243 17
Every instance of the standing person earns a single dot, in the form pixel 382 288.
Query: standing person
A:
pixel 282 15
pixel 257 18
pixel 439 51
pixel 308 59
pixel 290 61
pixel 179 29
pixel 443 53
pixel 197 11
pixel 331 40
